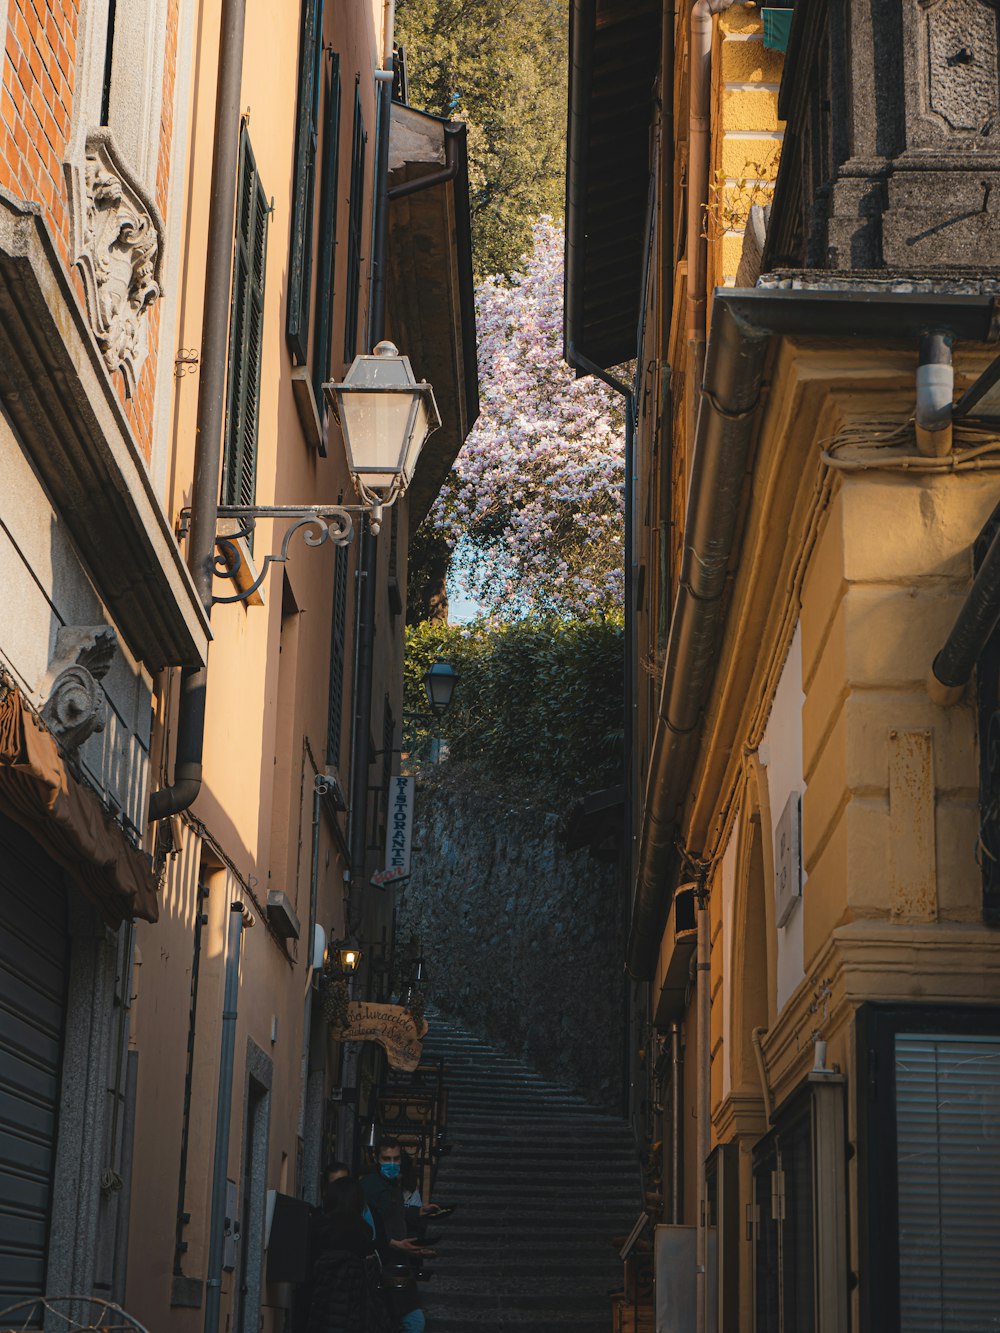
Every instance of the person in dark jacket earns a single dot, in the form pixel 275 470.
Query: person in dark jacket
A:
pixel 345 1295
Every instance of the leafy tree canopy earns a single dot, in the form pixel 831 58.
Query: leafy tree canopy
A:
pixel 499 65
pixel 539 702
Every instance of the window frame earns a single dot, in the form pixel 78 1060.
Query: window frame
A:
pixel 338 658
pixel 326 251
pixel 249 266
pixel 878 1196
pixel 307 123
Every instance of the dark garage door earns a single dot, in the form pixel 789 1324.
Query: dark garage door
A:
pixel 33 965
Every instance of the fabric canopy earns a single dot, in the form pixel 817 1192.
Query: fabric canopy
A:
pixel 38 792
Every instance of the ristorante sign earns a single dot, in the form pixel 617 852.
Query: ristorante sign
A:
pixel 392 1026
pixel 399 827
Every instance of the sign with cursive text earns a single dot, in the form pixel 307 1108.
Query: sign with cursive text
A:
pixel 392 1026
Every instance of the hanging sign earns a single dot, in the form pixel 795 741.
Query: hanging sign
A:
pixel 393 1027
pixel 399 831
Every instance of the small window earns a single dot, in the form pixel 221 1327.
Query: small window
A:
pixel 303 186
pixel 337 645
pixel 246 327
pixel 327 248
pixel 354 234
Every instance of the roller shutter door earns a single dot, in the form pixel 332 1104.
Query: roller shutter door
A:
pixel 33 969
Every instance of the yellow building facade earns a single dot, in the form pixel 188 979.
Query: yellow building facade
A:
pixel 810 886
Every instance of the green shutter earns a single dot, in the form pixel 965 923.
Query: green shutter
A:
pixel 327 248
pixel 246 330
pixel 303 185
pixel 354 235
pixel 338 639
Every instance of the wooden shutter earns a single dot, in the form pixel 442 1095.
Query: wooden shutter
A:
pixel 354 232
pixel 246 328
pixel 327 249
pixel 303 185
pixel 337 647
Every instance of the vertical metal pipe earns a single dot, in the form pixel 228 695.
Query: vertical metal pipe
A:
pixel 182 1216
pixel 676 1112
pixel 223 1115
pixel 703 1000
pixel 218 273
pixel 376 322
pixel 211 402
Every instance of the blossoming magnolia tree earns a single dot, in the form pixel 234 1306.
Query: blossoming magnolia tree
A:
pixel 534 507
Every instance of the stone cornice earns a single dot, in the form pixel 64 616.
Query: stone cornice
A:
pixel 875 960
pixel 57 394
pixel 741 1113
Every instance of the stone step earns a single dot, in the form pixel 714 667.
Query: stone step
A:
pixel 543 1180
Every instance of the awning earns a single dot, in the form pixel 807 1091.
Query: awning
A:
pixel 38 792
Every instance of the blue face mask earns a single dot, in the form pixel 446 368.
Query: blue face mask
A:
pixel 390 1170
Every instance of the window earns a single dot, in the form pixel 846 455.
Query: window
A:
pixel 930 1139
pixel 327 250
pixel 337 643
pixel 246 326
pixel 354 230
pixel 306 141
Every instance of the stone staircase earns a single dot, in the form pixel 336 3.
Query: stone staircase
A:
pixel 542 1182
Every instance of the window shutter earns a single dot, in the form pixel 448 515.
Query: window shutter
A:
pixel 948 1166
pixel 327 248
pixel 354 234
pixel 246 328
pixel 303 185
pixel 337 643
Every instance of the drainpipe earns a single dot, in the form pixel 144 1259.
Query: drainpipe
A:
pixel 676 1111
pixel 704 1055
pixel 211 403
pixel 935 393
pixel 223 1115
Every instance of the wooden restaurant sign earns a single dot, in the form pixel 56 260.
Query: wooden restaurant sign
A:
pixel 392 1026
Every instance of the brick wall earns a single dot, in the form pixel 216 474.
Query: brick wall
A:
pixel 36 108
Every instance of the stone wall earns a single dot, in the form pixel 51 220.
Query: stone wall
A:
pixel 523 940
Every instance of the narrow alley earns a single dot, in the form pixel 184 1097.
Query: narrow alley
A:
pixel 541 1181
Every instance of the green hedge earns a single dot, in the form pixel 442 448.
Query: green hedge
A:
pixel 536 699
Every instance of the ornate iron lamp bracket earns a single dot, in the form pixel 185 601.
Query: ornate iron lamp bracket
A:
pixel 319 524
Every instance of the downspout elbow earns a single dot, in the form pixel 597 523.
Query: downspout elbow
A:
pixel 183 791
pixel 935 394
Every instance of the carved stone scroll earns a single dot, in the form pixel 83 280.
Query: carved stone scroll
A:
pixel 75 707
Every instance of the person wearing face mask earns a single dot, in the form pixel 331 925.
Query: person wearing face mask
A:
pixel 384 1196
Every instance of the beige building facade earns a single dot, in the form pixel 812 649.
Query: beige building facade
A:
pixel 811 893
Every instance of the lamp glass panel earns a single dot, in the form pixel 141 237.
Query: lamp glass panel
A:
pixel 418 434
pixel 439 682
pixel 375 431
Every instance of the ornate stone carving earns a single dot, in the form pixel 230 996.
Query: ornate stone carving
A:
pixel 75 707
pixel 119 257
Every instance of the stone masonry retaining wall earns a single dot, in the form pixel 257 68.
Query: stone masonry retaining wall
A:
pixel 522 939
